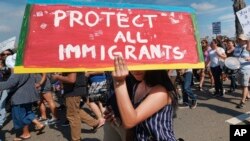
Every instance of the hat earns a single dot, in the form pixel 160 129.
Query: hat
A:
pixel 10 61
pixel 243 37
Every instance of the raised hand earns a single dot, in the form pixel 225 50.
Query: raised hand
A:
pixel 121 70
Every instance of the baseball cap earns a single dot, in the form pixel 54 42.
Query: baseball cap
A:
pixel 243 37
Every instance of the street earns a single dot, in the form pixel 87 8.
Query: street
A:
pixel 210 121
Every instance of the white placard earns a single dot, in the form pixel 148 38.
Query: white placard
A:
pixel 244 18
pixel 7 44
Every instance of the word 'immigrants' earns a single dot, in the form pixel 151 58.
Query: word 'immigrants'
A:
pixel 92 18
pixel 149 52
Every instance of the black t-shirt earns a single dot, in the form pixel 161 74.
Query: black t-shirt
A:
pixel 79 88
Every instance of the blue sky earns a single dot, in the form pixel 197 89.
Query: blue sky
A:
pixel 11 13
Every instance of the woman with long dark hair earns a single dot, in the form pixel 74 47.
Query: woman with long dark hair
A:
pixel 154 102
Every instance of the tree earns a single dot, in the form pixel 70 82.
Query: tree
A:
pixel 238 5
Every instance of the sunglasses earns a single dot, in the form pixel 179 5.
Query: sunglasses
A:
pixel 5 54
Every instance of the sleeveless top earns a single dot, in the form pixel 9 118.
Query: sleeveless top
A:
pixel 158 127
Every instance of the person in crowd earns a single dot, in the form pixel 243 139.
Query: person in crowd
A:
pixel 205 49
pixel 44 86
pixel 75 86
pixel 220 41
pixel 229 52
pixel 3 96
pixel 23 94
pixel 57 89
pixel 6 53
pixel 5 72
pixel 216 54
pixel 97 81
pixel 113 129
pixel 241 51
pixel 155 88
pixel 186 89
pixel 196 76
pixel 173 75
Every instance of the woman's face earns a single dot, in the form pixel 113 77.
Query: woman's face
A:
pixel 213 45
pixel 139 75
pixel 5 54
pixel 230 44
pixel 203 44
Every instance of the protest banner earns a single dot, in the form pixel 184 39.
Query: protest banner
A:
pixel 8 44
pixel 244 18
pixel 66 36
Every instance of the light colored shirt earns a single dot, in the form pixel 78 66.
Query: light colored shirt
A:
pixel 214 58
pixel 242 53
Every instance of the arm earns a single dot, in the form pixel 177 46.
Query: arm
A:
pixel 221 54
pixel 130 116
pixel 10 83
pixel 70 78
pixel 37 85
pixel 248 46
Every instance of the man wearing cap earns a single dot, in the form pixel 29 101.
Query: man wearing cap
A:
pixel 243 54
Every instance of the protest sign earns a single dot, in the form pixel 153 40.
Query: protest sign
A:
pixel 216 27
pixel 244 18
pixel 66 36
pixel 8 44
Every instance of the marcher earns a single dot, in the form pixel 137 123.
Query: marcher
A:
pixel 155 88
pixel 23 91
pixel 97 81
pixel 44 86
pixel 113 129
pixel 243 54
pixel 229 52
pixel 205 49
pixel 5 73
pixel 75 86
pixel 217 55
pixel 186 89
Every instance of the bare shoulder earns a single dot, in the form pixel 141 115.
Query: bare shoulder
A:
pixel 161 92
pixel 158 89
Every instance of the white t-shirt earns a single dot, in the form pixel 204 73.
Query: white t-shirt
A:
pixel 214 58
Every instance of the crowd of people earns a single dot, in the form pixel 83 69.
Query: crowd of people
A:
pixel 121 100
pixel 216 54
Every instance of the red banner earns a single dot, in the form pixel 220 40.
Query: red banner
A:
pixel 61 36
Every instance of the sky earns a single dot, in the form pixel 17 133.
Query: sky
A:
pixel 207 12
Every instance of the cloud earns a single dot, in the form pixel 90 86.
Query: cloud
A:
pixel 203 6
pixel 216 11
pixel 5 29
pixel 167 2
pixel 11 18
pixel 227 18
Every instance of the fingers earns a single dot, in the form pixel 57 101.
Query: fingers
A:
pixel 109 115
pixel 120 66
